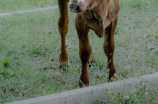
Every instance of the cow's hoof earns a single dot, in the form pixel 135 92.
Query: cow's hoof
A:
pixel 113 78
pixel 63 64
pixel 84 81
pixel 90 64
pixel 63 69
pixel 92 61
pixel 82 85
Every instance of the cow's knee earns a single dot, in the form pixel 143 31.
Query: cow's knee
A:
pixel 63 25
pixel 85 54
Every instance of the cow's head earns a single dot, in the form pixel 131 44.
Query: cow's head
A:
pixel 82 5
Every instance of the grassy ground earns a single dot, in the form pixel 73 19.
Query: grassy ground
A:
pixel 146 94
pixel 30 43
pixel 17 5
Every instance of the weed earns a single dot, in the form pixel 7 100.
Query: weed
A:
pixel 5 62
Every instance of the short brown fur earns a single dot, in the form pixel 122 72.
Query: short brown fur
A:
pixel 98 15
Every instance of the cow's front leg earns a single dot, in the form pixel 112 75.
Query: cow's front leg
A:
pixel 109 49
pixel 63 28
pixel 84 49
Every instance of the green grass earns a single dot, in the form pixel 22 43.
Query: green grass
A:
pixel 146 94
pixel 30 45
pixel 17 5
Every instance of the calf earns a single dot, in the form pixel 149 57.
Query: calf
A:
pixel 101 17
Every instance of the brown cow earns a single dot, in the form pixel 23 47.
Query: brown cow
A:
pixel 98 15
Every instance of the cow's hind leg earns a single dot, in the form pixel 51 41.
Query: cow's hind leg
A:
pixel 84 49
pixel 63 28
pixel 109 49
pixel 92 61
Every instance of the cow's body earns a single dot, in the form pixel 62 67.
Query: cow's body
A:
pixel 100 16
